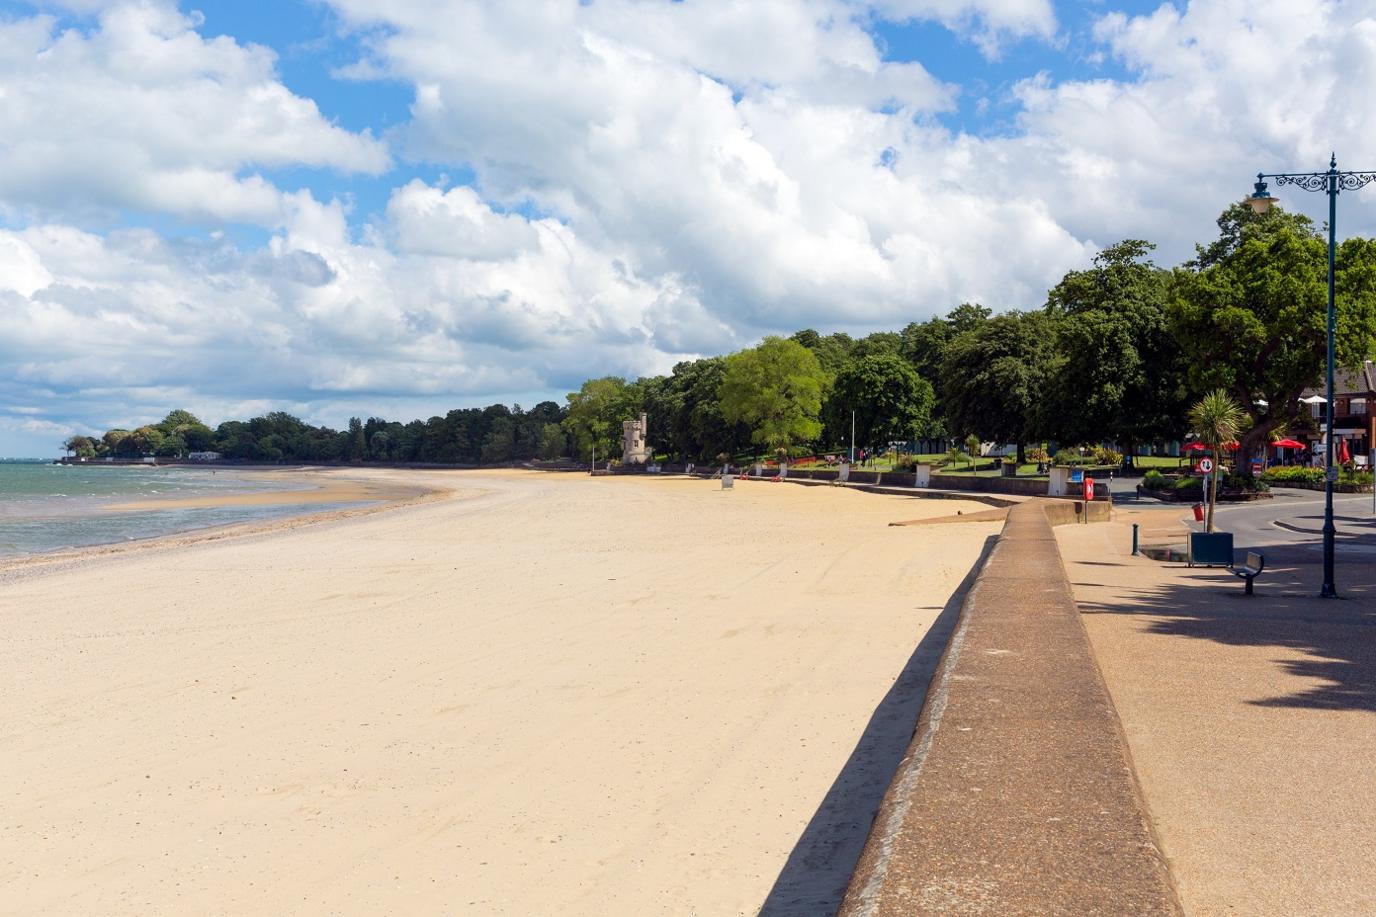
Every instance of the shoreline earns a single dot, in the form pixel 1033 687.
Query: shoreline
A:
pixel 533 693
pixel 381 497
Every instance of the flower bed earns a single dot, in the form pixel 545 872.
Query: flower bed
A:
pixel 1306 477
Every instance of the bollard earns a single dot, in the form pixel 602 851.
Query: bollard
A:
pixel 1134 539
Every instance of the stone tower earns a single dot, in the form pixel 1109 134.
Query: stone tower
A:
pixel 633 448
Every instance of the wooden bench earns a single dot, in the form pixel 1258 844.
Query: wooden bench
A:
pixel 1250 570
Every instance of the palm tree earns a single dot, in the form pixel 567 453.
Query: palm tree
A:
pixel 1216 419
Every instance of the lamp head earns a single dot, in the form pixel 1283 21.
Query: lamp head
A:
pixel 1261 199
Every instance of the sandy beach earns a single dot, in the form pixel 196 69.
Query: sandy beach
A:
pixel 545 694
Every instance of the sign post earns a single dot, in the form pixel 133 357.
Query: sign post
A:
pixel 1206 467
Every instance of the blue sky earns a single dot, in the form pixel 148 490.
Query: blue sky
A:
pixel 339 208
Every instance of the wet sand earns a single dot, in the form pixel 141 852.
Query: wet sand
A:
pixel 322 486
pixel 544 694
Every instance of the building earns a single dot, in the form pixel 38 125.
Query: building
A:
pixel 203 456
pixel 633 448
pixel 1354 393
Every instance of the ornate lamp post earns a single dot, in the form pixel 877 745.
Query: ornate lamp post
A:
pixel 1330 182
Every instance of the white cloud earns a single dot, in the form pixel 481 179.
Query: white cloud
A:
pixel 141 112
pixel 652 180
pixel 743 149
pixel 1226 88
pixel 990 23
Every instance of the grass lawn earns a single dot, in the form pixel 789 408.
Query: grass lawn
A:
pixel 1162 462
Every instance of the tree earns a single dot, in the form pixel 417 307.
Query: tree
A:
pixel 776 390
pixel 596 412
pixel 1250 315
pixel 880 342
pixel 146 440
pixel 1120 374
pixel 500 443
pixel 890 400
pixel 1216 420
pixel 924 344
pixel 80 446
pixel 831 351
pixel 358 442
pixel 379 446
pixel 553 443
pixel 995 375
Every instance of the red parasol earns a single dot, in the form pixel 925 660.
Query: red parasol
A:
pixel 1288 444
pixel 1343 455
pixel 1196 447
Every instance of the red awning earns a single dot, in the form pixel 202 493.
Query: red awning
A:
pixel 1288 444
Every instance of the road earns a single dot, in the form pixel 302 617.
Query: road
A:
pixel 1291 518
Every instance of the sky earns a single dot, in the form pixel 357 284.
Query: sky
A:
pixel 342 207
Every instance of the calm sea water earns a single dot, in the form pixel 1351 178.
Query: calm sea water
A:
pixel 50 507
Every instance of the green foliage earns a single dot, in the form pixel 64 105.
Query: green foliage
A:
pixel 596 412
pixel 553 443
pixel 1216 419
pixel 1306 474
pixel 1119 372
pixel 831 351
pixel 1250 313
pixel 994 376
pixel 890 400
pixel 924 345
pixel 1106 456
pixel 499 445
pixel 776 390
pixel 693 419
pixel 1038 454
pixel 80 446
pixel 1288 474
pixel 881 343
pixel 1154 480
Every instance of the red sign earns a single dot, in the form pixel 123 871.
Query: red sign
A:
pixel 1089 489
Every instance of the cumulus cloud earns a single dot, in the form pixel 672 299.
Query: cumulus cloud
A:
pixel 753 151
pixel 989 23
pixel 652 181
pixel 140 112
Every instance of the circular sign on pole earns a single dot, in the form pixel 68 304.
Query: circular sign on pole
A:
pixel 1206 465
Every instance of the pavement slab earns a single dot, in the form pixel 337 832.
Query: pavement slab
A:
pixel 1251 721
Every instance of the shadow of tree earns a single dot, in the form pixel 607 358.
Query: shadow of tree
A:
pixel 814 878
pixel 1338 637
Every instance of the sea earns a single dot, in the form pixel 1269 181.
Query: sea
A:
pixel 46 507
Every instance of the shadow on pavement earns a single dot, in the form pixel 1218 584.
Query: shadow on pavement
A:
pixel 1337 637
pixel 813 880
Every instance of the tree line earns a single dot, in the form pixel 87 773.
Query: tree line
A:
pixel 1117 352
pixel 467 436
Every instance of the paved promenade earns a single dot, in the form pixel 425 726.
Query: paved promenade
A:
pixel 1251 722
pixel 1016 796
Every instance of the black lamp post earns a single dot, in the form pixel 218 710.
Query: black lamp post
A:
pixel 1330 182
